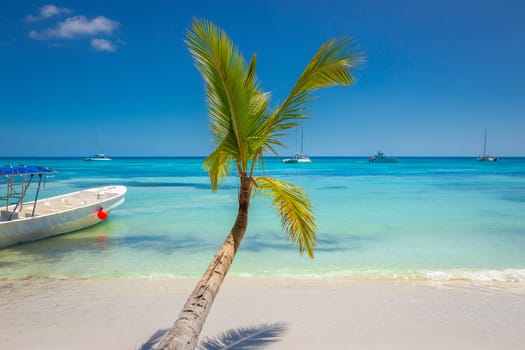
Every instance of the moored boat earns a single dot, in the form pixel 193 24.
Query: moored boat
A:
pixel 40 218
pixel 381 158
pixel 299 157
pixel 486 156
pixel 98 156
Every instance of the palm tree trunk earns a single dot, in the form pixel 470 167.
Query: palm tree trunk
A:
pixel 185 332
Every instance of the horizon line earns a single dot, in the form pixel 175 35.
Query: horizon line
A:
pixel 277 157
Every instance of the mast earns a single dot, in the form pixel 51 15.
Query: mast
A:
pixel 485 143
pixel 301 139
pixel 296 141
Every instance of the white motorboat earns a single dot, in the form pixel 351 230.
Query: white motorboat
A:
pixel 98 156
pixel 381 158
pixel 29 221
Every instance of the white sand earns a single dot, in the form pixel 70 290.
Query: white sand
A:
pixel 116 314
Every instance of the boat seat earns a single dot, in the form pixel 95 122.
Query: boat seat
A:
pixel 4 214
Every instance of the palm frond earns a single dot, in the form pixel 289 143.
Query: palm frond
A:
pixel 292 204
pixel 225 73
pixel 251 80
pixel 218 165
pixel 332 65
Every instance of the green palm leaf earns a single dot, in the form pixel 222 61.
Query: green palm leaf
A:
pixel 331 66
pixel 218 165
pixel 292 204
pixel 230 86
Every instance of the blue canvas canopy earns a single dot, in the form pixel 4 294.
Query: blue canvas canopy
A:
pixel 17 180
pixel 9 170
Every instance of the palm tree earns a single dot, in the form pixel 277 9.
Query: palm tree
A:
pixel 244 128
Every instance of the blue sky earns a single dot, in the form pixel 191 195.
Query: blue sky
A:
pixel 437 74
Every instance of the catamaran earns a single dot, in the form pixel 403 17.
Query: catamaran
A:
pixel 299 157
pixel 485 156
pixel 22 221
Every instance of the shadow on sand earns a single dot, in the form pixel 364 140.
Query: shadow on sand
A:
pixel 254 337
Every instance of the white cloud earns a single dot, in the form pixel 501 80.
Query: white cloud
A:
pixel 103 45
pixel 47 11
pixel 51 10
pixel 77 26
pixel 74 27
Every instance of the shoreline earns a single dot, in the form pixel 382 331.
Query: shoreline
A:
pixel 302 314
pixel 510 276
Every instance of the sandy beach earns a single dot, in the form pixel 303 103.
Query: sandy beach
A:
pixel 298 314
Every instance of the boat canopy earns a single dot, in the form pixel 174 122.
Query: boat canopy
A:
pixel 17 180
pixel 9 170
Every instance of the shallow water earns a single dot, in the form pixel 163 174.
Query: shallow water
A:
pixel 420 218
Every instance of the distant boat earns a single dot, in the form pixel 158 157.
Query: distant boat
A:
pixel 485 156
pixel 98 156
pixel 22 221
pixel 299 157
pixel 381 158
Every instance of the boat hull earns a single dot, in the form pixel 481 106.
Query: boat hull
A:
pixel 61 214
pixel 299 158
pixel 97 157
pixel 294 161
pixel 487 158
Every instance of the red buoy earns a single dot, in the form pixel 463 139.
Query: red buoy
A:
pixel 102 214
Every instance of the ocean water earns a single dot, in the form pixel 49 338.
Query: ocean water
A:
pixel 420 218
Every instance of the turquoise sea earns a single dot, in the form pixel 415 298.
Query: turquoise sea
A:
pixel 420 218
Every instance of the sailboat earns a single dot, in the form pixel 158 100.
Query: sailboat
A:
pixel 299 157
pixel 485 156
pixel 97 156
